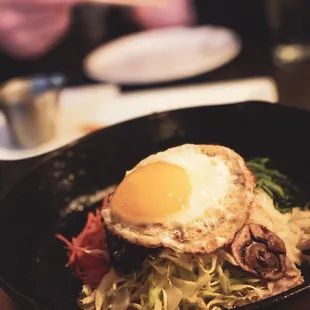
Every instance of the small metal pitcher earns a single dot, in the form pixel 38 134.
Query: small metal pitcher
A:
pixel 29 105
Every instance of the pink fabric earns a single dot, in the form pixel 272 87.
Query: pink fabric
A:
pixel 29 28
pixel 174 13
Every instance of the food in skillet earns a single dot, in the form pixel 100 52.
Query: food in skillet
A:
pixel 192 228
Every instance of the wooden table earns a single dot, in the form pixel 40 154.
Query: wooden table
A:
pixel 5 302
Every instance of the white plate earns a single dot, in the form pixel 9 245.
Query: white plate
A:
pixel 163 55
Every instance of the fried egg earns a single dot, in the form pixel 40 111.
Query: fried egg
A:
pixel 191 198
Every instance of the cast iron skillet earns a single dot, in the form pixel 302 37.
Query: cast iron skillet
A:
pixel 31 259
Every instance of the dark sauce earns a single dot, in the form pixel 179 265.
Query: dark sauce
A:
pixel 127 257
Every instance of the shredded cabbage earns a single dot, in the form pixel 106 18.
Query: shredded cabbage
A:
pixel 174 281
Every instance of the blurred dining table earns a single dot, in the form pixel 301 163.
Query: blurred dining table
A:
pixel 254 60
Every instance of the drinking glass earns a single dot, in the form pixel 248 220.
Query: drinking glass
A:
pixel 29 105
pixel 289 22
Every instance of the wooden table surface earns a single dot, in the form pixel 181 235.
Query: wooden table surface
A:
pixel 6 302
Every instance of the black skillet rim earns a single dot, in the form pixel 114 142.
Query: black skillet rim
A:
pixel 21 299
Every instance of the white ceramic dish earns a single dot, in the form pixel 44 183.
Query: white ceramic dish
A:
pixel 163 55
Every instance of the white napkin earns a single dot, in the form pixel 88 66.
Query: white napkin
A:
pixel 143 103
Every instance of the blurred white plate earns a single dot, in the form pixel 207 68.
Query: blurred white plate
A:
pixel 163 55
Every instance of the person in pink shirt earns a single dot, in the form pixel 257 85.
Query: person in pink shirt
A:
pixel 30 28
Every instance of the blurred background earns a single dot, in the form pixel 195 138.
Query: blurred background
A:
pixel 83 56
pixel 257 22
pixel 68 67
pixel 94 24
pixel 239 41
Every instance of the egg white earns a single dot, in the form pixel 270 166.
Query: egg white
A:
pixel 219 205
pixel 210 180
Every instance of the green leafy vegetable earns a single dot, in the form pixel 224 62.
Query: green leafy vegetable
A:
pixel 276 184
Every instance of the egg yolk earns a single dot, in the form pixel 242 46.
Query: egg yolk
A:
pixel 152 193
